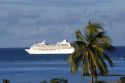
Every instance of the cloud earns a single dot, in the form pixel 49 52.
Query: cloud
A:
pixel 56 3
pixel 24 22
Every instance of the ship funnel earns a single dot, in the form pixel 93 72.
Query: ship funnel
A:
pixel 64 41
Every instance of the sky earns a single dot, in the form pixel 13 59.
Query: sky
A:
pixel 25 22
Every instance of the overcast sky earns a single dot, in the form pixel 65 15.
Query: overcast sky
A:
pixel 25 22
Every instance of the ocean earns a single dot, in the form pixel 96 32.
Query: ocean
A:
pixel 20 67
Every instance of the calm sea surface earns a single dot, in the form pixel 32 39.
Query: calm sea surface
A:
pixel 20 67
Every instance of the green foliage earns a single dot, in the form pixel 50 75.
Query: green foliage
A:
pixel 99 81
pixel 90 51
pixel 122 80
pixel 58 80
pixel 6 81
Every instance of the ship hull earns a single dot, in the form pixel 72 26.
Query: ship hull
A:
pixel 49 52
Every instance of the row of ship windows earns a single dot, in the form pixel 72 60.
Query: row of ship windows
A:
pixel 44 49
pixel 51 48
pixel 51 45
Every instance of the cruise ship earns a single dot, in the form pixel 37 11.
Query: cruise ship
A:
pixel 62 47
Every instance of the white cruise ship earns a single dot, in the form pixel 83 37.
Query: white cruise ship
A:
pixel 63 47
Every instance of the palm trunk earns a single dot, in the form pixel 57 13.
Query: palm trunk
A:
pixel 92 81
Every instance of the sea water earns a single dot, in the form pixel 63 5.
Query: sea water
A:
pixel 20 67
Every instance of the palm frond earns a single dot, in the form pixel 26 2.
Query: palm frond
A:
pixel 93 28
pixel 108 59
pixel 102 64
pixel 84 67
pixel 79 44
pixel 79 36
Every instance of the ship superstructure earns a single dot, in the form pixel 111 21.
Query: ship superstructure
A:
pixel 63 47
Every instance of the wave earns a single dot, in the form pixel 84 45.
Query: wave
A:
pixel 121 58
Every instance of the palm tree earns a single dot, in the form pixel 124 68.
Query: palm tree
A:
pixel 90 50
